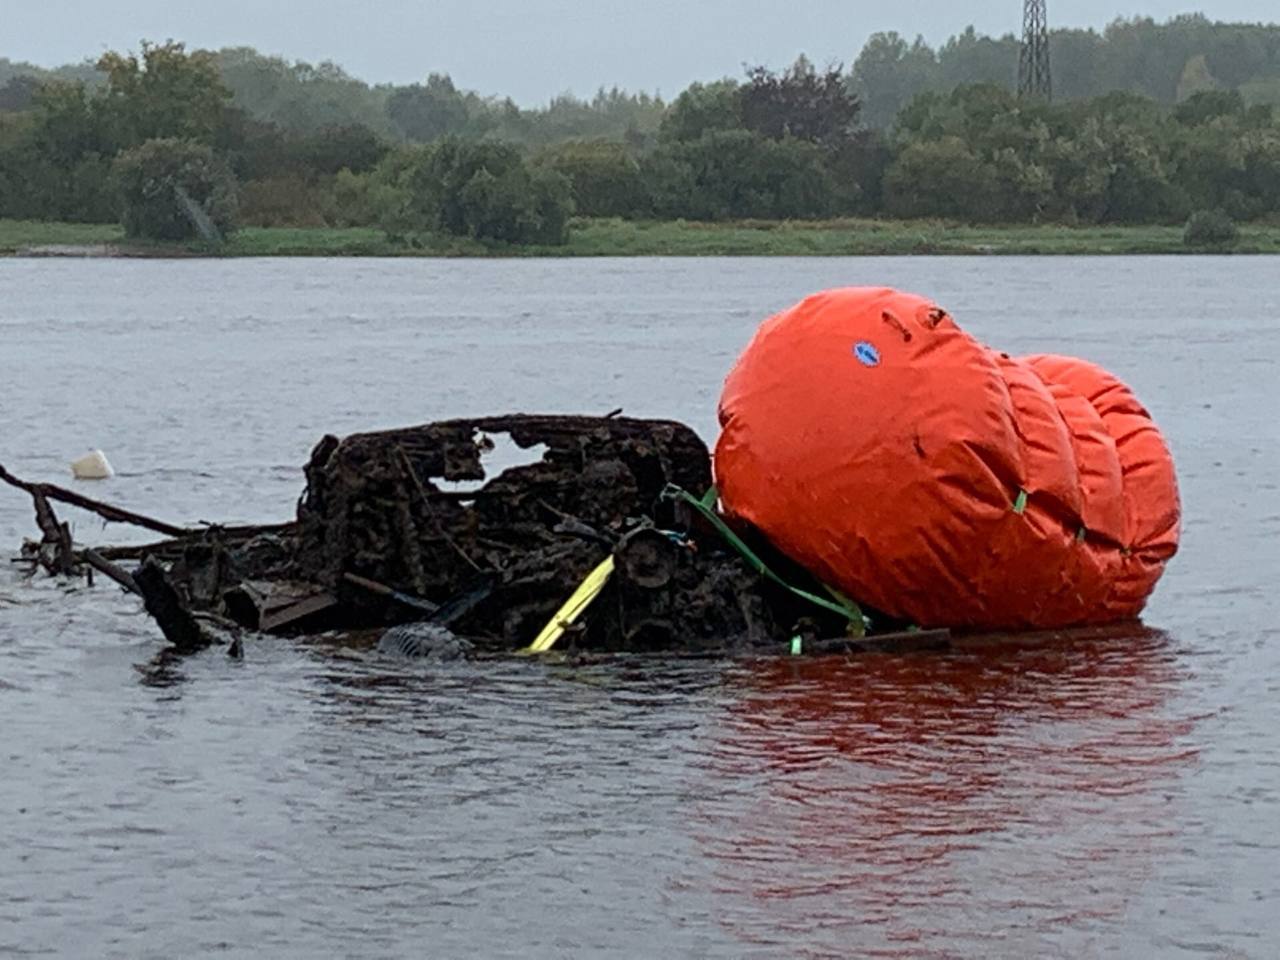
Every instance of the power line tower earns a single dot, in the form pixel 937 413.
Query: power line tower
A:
pixel 1033 61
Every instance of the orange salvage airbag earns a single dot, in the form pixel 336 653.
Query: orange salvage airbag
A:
pixel 897 458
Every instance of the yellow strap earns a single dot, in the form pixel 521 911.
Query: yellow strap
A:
pixel 573 607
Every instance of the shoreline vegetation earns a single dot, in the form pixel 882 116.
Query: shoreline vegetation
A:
pixel 629 238
pixel 910 151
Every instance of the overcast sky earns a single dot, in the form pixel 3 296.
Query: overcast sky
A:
pixel 534 49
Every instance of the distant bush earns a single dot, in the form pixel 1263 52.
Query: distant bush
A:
pixel 292 200
pixel 941 178
pixel 313 146
pixel 284 201
pixel 39 180
pixel 1209 228
pixel 351 200
pixel 482 190
pixel 605 177
pixel 738 175
pixel 333 149
pixel 152 180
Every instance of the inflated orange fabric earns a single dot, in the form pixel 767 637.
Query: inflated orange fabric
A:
pixel 883 448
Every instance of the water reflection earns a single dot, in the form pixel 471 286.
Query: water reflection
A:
pixel 164 672
pixel 899 803
pixel 316 805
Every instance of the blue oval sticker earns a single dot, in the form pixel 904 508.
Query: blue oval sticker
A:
pixel 866 353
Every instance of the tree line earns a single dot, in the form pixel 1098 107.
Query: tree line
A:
pixel 148 137
pixel 1166 62
pixel 1163 61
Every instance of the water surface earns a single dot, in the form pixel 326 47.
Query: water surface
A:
pixel 1118 796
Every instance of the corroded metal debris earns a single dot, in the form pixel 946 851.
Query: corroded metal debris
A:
pixel 410 526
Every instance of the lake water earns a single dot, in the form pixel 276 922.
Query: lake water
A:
pixel 1116 796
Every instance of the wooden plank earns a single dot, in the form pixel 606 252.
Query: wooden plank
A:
pixel 294 612
pixel 168 609
pixel 57 535
pixel 104 510
pixel 112 570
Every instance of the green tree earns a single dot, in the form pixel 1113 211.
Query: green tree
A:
pixel 1262 91
pixel 856 173
pixel 157 180
pixel 1257 190
pixel 979 153
pixel 423 113
pixel 1078 58
pixel 301 97
pixel 612 113
pixel 970 57
pixel 168 93
pixel 1162 61
pixel 19 93
pixel 483 190
pixel 327 151
pixel 1139 189
pixel 56 159
pixel 254 148
pixel 889 72
pixel 605 178
pixel 1209 228
pixel 19 196
pixel 1079 163
pixel 1207 105
pixel 737 174
pixel 67 126
pixel 801 103
pixel 942 178
pixel 701 108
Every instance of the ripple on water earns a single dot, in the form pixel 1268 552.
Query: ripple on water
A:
pixel 1108 796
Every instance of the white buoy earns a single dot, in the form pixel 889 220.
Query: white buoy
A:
pixel 92 466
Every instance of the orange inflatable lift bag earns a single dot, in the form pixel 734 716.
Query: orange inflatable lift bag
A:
pixel 898 459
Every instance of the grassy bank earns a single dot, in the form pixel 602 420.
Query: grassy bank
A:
pixel 617 238
pixel 18 234
pixel 886 237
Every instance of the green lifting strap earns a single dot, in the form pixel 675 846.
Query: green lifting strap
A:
pixel 705 506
